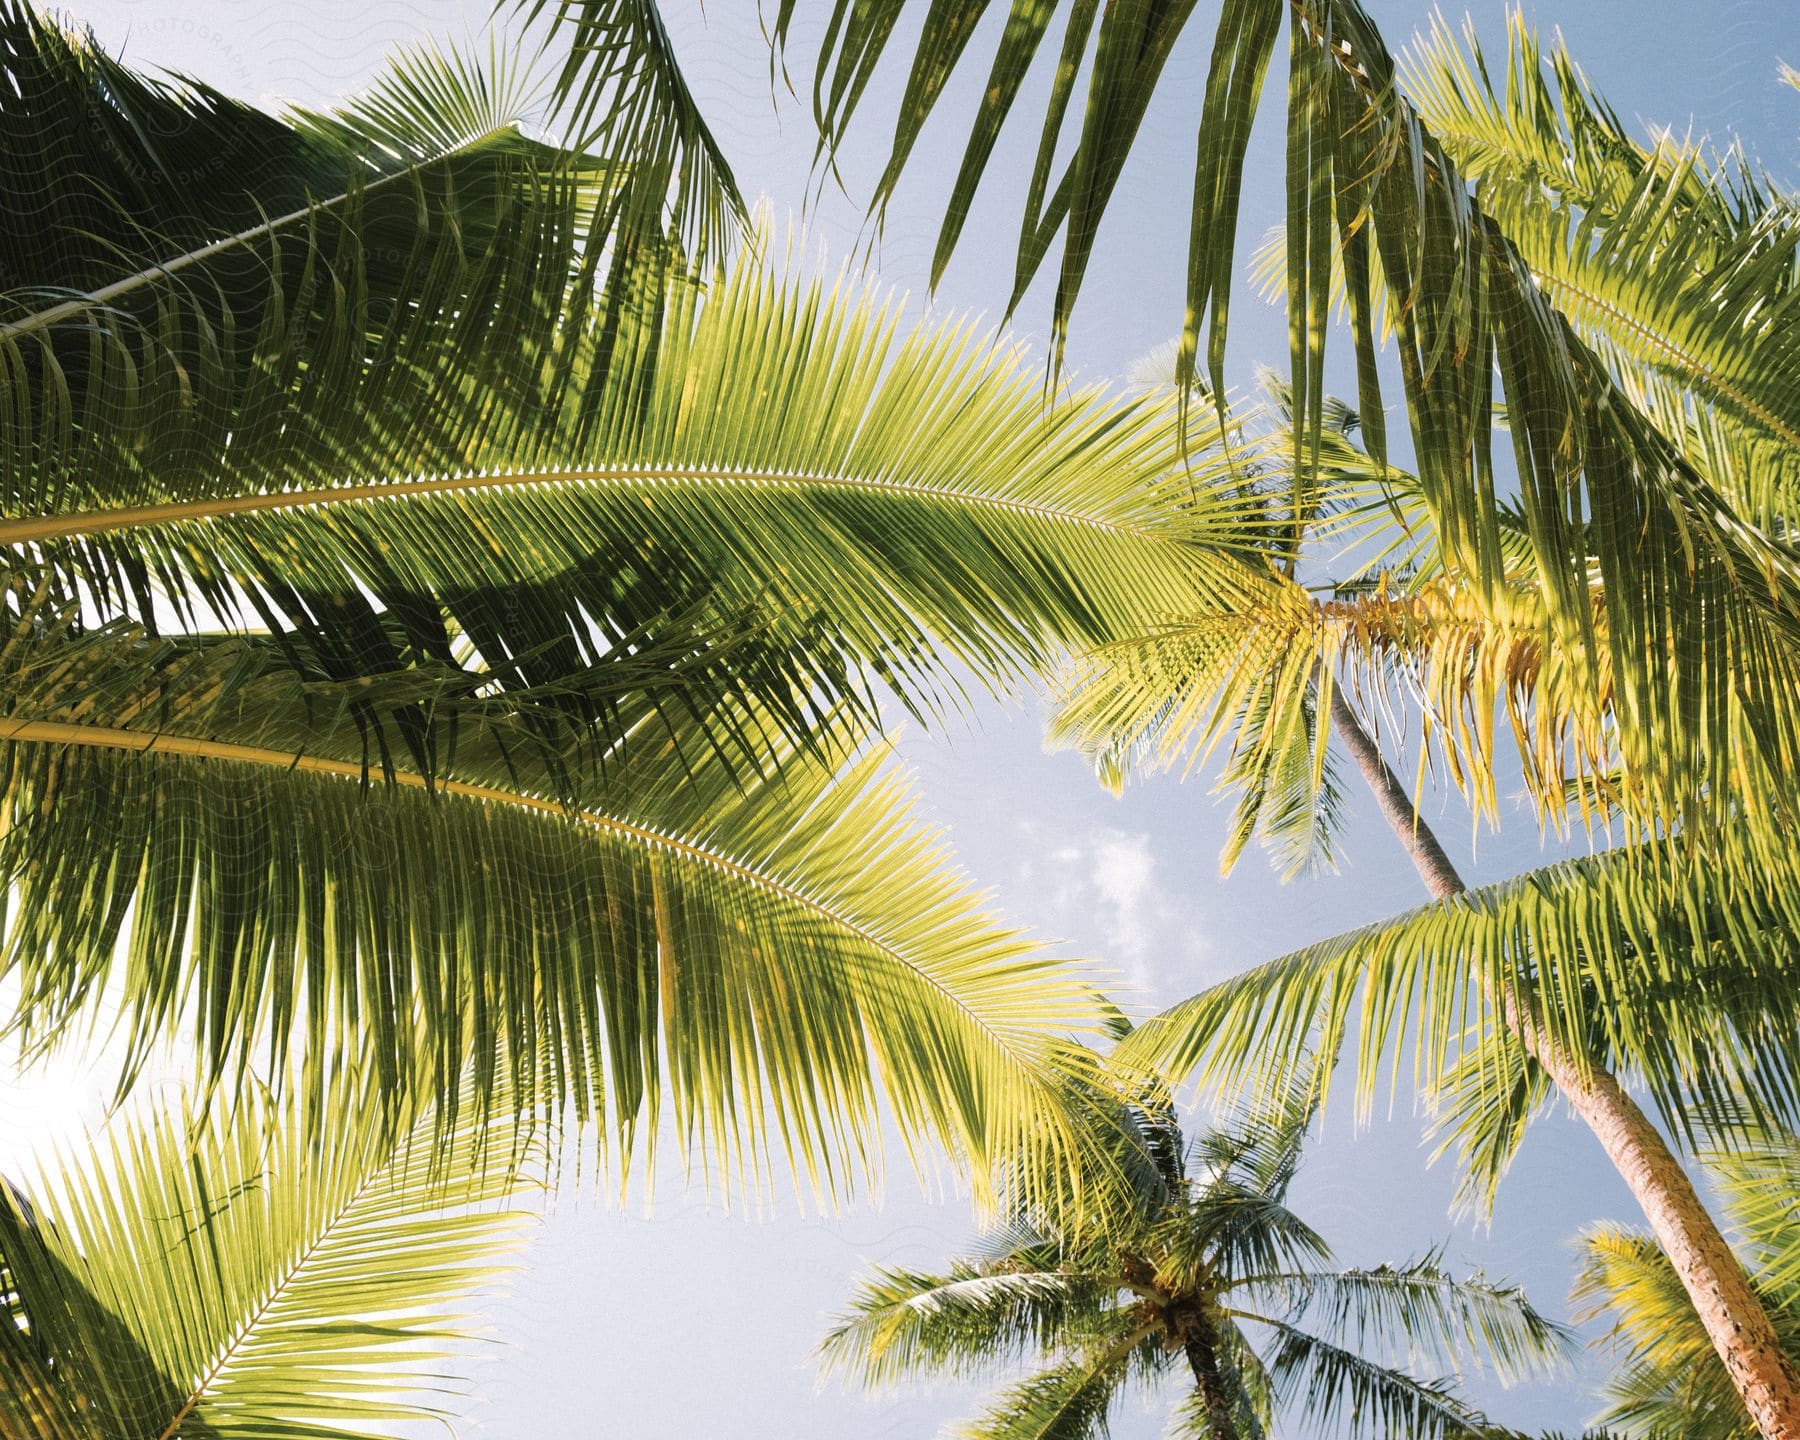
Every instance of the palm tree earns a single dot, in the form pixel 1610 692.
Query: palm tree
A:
pixel 211 1276
pixel 1670 1382
pixel 1199 1265
pixel 1626 311
pixel 416 642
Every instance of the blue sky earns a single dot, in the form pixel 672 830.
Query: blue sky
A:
pixel 690 1322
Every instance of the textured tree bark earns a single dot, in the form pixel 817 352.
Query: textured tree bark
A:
pixel 1734 1317
pixel 1202 1346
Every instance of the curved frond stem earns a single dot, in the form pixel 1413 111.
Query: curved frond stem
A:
pixel 43 529
pixel 166 269
pixel 104 738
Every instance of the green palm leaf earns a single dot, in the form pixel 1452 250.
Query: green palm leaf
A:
pixel 1070 1400
pixel 1668 1379
pixel 1335 1386
pixel 795 453
pixel 1607 494
pixel 1425 1314
pixel 908 1324
pixel 215 1276
pixel 676 898
pixel 1695 963
pixel 1681 269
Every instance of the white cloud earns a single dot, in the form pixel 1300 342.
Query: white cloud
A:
pixel 1123 872
pixel 1100 892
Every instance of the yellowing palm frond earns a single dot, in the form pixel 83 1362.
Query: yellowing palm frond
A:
pixel 1620 522
pixel 1669 1380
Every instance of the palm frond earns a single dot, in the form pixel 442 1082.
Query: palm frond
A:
pixel 1071 1400
pixel 591 913
pixel 1480 1109
pixel 1336 1387
pixel 1694 961
pixel 1419 1313
pixel 1612 506
pixel 905 1324
pixel 796 455
pixel 1759 1176
pixel 1679 267
pixel 1669 1379
pixel 620 95
pixel 222 1276
pixel 178 234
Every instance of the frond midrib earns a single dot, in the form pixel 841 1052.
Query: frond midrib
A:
pixel 118 289
pixel 39 529
pixel 53 732
pixel 281 1286
pixel 1677 358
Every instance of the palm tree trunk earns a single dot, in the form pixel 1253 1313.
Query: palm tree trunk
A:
pixel 1734 1317
pixel 1201 1343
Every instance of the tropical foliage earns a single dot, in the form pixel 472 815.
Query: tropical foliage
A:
pixel 1625 595
pixel 476 671
pixel 215 1276
pixel 453 582
pixel 1199 1271
pixel 1640 546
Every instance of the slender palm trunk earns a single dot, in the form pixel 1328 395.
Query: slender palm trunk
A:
pixel 1202 1347
pixel 1734 1317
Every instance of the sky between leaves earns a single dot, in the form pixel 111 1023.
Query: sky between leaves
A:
pixel 690 1322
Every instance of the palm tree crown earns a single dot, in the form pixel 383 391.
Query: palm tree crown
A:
pixel 1197 1265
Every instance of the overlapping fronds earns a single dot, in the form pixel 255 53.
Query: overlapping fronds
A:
pixel 1336 1387
pixel 1667 1379
pixel 166 238
pixel 1070 1400
pixel 796 453
pixel 236 1274
pixel 418 641
pixel 1161 1288
pixel 1620 521
pixel 619 93
pixel 1424 1313
pixel 1481 1108
pixel 1252 680
pixel 1640 960
pixel 1249 679
pixel 1759 1179
pixel 1683 268
pixel 586 911
pixel 908 1324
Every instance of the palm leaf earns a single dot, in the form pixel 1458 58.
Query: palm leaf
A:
pixel 1418 1312
pixel 214 1276
pixel 1337 1387
pixel 586 915
pixel 1697 315
pixel 794 455
pixel 1070 1400
pixel 1606 493
pixel 1668 1379
pixel 904 1324
pixel 1694 961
